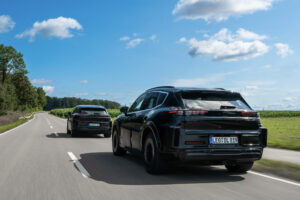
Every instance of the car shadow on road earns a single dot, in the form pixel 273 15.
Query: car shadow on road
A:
pixel 65 135
pixel 129 170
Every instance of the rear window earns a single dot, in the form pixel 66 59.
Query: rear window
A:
pixel 93 111
pixel 213 101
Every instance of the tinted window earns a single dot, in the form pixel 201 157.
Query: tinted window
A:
pixel 136 106
pixel 213 100
pixel 93 111
pixel 150 101
pixel 161 98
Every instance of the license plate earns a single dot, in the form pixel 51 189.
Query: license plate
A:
pixel 223 140
pixel 94 124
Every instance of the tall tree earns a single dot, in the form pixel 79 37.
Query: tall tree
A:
pixel 11 61
pixel 41 97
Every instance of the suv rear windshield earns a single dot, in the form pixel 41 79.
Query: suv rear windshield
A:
pixel 93 111
pixel 213 100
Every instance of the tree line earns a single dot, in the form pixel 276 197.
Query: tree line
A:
pixel 17 92
pixel 69 102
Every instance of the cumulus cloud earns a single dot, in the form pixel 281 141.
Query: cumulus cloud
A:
pixel 41 81
pixel 226 46
pixel 6 23
pixel 153 37
pixel 59 27
pixel 125 38
pixel 283 50
pixel 134 42
pixel 48 89
pixel 218 10
pixel 84 81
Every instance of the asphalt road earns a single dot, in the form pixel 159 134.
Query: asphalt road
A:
pixel 35 165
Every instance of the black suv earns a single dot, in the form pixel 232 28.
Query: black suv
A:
pixel 89 119
pixel 206 126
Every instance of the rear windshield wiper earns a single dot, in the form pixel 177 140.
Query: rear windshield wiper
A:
pixel 227 107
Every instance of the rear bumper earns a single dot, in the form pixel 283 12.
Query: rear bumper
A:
pixel 93 130
pixel 243 154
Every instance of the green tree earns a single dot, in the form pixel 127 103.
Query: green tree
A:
pixel 42 101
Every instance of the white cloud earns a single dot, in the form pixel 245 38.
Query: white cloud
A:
pixel 153 37
pixel 227 46
pixel 58 27
pixel 218 9
pixel 257 83
pixel 101 94
pixel 134 42
pixel 200 82
pixel 283 50
pixel 125 38
pixel 135 34
pixel 84 81
pixel 41 81
pixel 267 67
pixel 83 94
pixel 6 23
pixel 48 89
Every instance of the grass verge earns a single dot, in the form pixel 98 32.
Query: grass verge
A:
pixel 283 169
pixel 283 132
pixel 14 124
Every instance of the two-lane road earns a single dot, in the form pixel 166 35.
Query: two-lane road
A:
pixel 40 161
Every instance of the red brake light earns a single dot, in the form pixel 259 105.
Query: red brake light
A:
pixel 194 142
pixel 188 112
pixel 249 114
pixel 80 115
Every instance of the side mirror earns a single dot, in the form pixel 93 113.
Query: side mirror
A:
pixel 124 109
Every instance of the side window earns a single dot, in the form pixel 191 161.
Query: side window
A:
pixel 150 101
pixel 161 98
pixel 136 106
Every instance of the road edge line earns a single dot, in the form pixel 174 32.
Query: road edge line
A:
pixel 4 133
pixel 275 178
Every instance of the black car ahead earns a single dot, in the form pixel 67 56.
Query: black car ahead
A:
pixel 89 119
pixel 205 126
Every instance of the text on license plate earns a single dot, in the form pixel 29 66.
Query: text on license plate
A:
pixel 223 140
pixel 94 124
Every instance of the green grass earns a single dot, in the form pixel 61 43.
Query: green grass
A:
pixel 279 168
pixel 13 125
pixel 283 132
pixel 283 113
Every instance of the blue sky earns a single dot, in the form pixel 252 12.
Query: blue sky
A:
pixel 116 49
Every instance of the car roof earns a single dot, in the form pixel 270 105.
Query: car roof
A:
pixel 181 89
pixel 90 106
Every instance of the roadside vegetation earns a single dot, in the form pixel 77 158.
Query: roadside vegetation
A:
pixel 7 127
pixel 278 168
pixel 283 113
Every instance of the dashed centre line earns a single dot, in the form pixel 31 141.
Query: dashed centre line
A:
pixel 79 166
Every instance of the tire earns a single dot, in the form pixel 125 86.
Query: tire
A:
pixel 107 135
pixel 239 167
pixel 152 158
pixel 68 131
pixel 117 150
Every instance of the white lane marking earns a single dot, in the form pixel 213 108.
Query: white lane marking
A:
pixel 79 166
pixel 4 133
pixel 275 178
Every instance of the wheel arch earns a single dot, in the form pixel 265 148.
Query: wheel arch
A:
pixel 150 128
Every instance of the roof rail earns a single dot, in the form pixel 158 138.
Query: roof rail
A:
pixel 219 88
pixel 161 87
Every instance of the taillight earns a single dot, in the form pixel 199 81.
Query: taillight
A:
pixel 188 112
pixel 81 115
pixel 194 142
pixel 249 114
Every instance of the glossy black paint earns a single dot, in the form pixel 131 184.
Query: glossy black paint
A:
pixel 172 131
pixel 80 123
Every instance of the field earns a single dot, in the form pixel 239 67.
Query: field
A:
pixel 274 114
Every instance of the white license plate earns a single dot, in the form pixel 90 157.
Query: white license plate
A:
pixel 223 140
pixel 94 124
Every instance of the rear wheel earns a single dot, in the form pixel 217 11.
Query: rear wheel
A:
pixel 117 150
pixel 153 161
pixel 68 131
pixel 239 167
